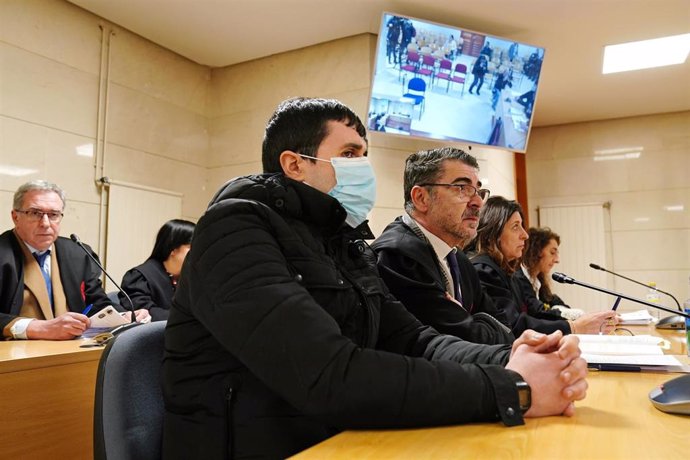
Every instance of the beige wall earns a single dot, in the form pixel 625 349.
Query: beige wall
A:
pixel 156 124
pixel 646 242
pixel 49 54
pixel 245 96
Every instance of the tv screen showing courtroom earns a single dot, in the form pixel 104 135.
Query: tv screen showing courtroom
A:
pixel 449 83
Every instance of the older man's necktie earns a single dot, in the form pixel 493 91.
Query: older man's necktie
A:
pixel 41 258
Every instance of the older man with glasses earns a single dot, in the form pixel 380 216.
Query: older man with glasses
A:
pixel 46 281
pixel 420 253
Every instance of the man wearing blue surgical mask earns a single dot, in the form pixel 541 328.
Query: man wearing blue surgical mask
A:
pixel 355 185
pixel 281 332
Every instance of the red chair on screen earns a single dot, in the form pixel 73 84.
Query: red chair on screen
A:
pixel 411 64
pixel 445 69
pixel 427 68
pixel 459 76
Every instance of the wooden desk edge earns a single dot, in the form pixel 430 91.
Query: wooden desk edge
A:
pixel 77 355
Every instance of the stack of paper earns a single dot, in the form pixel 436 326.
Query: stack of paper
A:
pixel 638 350
pixel 636 317
pixel 622 344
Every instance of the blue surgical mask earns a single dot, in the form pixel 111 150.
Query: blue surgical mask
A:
pixel 355 187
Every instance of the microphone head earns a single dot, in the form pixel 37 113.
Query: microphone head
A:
pixel 561 278
pixel 595 266
pixel 74 238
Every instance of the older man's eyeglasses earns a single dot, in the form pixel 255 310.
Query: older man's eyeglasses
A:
pixel 465 190
pixel 36 215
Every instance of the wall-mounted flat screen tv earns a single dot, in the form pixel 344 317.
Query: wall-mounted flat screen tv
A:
pixel 447 83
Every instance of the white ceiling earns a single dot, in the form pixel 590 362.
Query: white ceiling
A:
pixel 219 33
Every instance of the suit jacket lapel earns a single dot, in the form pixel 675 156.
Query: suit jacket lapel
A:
pixel 432 262
pixel 59 298
pixel 34 281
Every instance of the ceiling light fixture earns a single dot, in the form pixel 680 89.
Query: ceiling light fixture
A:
pixel 646 54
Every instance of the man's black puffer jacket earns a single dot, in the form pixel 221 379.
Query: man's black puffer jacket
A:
pixel 281 334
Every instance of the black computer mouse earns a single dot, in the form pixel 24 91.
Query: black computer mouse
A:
pixel 673 396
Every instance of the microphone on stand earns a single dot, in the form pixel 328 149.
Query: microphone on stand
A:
pixel 677 319
pixel 134 322
pixel 597 267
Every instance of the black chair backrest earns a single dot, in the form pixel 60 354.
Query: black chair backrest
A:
pixel 128 411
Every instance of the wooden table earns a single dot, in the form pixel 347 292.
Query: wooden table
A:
pixel 46 399
pixel 615 421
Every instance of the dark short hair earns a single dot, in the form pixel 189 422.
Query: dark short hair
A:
pixel 173 234
pixel 300 125
pixel 427 166
pixel 492 219
pixel 539 238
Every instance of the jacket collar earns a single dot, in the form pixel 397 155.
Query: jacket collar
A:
pixel 295 200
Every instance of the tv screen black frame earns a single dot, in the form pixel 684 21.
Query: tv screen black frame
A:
pixel 409 49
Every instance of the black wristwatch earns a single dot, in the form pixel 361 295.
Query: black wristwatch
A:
pixel 525 395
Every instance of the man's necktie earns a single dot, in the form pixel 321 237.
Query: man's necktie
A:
pixel 455 274
pixel 41 258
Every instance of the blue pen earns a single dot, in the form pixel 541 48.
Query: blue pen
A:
pixel 87 309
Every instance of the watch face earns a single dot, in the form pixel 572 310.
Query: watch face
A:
pixel 525 395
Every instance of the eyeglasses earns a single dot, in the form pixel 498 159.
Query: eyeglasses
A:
pixel 36 215
pixel 466 190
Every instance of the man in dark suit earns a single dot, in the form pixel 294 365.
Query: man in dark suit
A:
pixel 420 253
pixel 46 281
